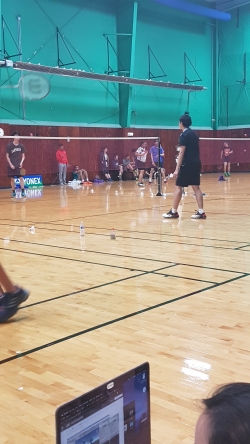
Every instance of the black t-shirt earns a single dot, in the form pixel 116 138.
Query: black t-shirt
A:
pixel 190 140
pixel 15 153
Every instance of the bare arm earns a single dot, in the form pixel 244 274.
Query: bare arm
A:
pixel 152 160
pixel 9 162
pixel 221 154
pixel 23 157
pixel 180 159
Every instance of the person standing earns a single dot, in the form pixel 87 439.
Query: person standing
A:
pixel 104 161
pixel 15 155
pixel 225 156
pixel 140 162
pixel 188 169
pixel 154 152
pixel 62 159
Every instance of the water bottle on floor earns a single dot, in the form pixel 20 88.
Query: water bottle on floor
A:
pixel 82 229
pixel 112 234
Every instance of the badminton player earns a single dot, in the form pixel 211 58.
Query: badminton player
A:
pixel 156 163
pixel 15 155
pixel 11 296
pixel 225 156
pixel 140 162
pixel 188 169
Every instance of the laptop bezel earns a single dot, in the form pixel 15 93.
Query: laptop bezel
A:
pixel 109 385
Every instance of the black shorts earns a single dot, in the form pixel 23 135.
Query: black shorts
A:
pixel 140 165
pixel 189 174
pixel 226 159
pixel 13 173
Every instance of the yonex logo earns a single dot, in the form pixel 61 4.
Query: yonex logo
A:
pixel 31 181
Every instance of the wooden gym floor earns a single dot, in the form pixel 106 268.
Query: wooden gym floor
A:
pixel 171 292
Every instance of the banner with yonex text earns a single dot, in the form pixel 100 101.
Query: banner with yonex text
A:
pixel 30 181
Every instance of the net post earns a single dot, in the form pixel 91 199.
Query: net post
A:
pixel 159 193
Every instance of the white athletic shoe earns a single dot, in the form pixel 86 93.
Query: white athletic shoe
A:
pixel 198 215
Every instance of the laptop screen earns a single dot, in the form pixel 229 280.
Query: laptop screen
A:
pixel 117 412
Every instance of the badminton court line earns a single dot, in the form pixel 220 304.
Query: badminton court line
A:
pixel 115 282
pixel 142 273
pixel 243 246
pixel 118 230
pixel 114 255
pixel 160 206
pixel 138 232
pixel 143 239
pixel 114 321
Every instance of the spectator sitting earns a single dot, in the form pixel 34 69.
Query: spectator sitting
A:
pixel 127 163
pixel 116 168
pixel 81 175
pixel 226 417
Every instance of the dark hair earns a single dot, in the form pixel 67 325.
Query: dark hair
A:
pixel 15 134
pixel 185 120
pixel 228 412
pixel 60 144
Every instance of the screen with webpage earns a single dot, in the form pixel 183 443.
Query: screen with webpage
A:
pixel 117 412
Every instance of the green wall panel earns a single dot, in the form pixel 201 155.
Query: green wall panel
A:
pixel 82 25
pixel 169 34
pixel 234 97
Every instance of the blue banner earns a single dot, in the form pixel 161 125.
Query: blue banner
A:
pixel 30 181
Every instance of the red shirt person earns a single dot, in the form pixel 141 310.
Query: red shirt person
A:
pixel 62 160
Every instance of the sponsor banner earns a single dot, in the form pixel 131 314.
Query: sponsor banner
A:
pixel 30 193
pixel 30 181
